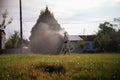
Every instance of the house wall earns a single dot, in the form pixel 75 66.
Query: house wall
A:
pixel 89 46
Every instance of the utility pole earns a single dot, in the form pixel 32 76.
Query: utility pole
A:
pixel 21 31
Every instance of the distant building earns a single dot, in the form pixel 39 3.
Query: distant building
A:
pixel 88 46
pixel 2 40
pixel 89 43
pixel 74 41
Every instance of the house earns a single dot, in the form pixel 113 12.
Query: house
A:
pixel 74 42
pixel 2 40
pixel 89 43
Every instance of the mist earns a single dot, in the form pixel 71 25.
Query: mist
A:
pixel 47 36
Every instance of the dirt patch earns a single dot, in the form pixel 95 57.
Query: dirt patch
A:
pixel 51 68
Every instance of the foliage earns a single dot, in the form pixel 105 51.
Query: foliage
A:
pixel 107 38
pixel 5 22
pixel 60 67
pixel 106 27
pixel 71 46
pixel 81 44
pixel 13 40
pixel 103 41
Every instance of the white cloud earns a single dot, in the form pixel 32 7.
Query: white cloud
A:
pixel 72 7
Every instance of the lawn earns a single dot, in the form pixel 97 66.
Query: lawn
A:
pixel 60 67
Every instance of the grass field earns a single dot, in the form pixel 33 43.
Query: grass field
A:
pixel 60 67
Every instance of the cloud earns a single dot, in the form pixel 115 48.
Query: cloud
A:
pixel 71 7
pixel 101 12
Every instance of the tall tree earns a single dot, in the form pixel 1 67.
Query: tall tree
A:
pixel 5 22
pixel 106 27
pixel 107 37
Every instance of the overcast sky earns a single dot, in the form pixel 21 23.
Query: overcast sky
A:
pixel 75 16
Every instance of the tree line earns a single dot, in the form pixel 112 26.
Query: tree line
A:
pixel 108 38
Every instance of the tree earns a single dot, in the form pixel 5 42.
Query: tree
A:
pixel 81 44
pixel 3 25
pixel 107 38
pixel 103 41
pixel 13 40
pixel 106 27
pixel 5 22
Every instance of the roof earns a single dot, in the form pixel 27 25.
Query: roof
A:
pixel 88 37
pixel 74 37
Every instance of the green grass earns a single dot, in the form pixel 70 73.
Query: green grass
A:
pixel 60 67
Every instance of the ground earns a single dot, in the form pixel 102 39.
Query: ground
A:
pixel 102 66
